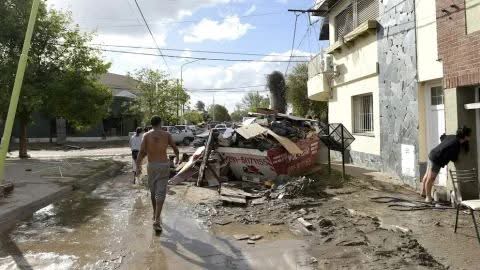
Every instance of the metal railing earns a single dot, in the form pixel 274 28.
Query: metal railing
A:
pixel 315 66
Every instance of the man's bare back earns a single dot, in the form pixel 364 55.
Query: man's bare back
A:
pixel 156 144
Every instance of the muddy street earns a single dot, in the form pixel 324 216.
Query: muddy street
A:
pixel 110 227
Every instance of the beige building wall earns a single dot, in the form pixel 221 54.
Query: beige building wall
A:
pixel 340 111
pixel 422 124
pixel 427 50
pixel 357 67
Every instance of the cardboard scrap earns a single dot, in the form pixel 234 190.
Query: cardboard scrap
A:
pixel 254 130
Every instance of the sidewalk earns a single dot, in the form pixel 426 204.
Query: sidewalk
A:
pixel 41 182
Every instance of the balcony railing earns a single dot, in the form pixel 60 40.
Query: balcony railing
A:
pixel 315 66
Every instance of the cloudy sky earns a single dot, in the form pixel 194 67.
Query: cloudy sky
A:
pixel 246 26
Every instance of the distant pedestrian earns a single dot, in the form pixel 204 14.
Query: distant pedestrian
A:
pixel 154 147
pixel 135 143
pixel 448 150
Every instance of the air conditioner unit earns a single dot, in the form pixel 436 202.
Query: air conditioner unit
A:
pixel 327 63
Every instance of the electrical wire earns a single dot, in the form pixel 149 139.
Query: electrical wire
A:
pixel 194 51
pixel 152 35
pixel 205 58
pixel 228 88
pixel 293 42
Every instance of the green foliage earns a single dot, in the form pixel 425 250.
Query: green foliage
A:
pixel 251 101
pixel 159 95
pixel 193 117
pixel 237 115
pixel 200 106
pixel 61 78
pixel 297 95
pixel 219 113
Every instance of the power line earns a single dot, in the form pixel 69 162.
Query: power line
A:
pixel 152 35
pixel 205 58
pixel 228 88
pixel 293 42
pixel 197 51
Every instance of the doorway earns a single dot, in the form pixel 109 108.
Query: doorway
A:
pixel 435 123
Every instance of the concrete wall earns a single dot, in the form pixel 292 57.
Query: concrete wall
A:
pixel 429 66
pixel 398 88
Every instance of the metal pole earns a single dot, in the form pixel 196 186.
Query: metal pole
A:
pixel 17 86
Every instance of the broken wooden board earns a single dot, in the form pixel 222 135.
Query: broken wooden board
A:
pixel 232 199
pixel 228 191
pixel 305 223
pixel 206 155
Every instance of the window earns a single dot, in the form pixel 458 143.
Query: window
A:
pixel 472 13
pixel 355 14
pixel 363 114
pixel 437 96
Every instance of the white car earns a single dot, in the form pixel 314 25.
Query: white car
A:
pixel 178 136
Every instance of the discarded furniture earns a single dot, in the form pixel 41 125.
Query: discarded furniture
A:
pixel 459 178
pixel 337 138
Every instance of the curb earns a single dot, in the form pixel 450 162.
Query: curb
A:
pixel 10 219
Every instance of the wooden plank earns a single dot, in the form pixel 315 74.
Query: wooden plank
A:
pixel 232 199
pixel 206 154
pixel 305 223
pixel 236 192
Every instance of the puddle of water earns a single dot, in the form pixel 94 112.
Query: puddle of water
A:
pixel 269 233
pixel 41 261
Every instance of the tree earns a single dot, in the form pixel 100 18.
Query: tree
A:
pixel 276 84
pixel 61 79
pixel 297 95
pixel 200 106
pixel 159 95
pixel 193 117
pixel 253 101
pixel 219 113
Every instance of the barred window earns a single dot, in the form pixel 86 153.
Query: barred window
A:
pixel 355 14
pixel 362 114
pixel 437 96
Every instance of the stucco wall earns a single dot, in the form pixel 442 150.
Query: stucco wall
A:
pixel 427 51
pixel 422 124
pixel 340 111
pixel 398 85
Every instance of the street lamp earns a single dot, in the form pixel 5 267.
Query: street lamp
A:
pixel 181 70
pixel 181 81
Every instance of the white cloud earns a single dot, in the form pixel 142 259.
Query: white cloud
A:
pixel 235 75
pixel 186 53
pixel 230 29
pixel 251 10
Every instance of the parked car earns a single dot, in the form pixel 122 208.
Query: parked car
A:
pixel 178 136
pixel 220 126
pixel 201 139
pixel 186 129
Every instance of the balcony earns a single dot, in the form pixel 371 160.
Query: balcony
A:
pixel 318 82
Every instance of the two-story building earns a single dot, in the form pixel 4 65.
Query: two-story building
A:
pixel 458 29
pixel 370 75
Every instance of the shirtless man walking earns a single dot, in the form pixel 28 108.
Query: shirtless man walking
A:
pixel 154 147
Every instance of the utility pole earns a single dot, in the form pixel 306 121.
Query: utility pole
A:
pixel 213 107
pixel 17 86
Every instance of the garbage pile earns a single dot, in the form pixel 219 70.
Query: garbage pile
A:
pixel 266 145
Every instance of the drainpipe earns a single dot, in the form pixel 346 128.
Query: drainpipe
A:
pixel 12 109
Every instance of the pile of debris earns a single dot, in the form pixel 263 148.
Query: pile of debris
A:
pixel 267 144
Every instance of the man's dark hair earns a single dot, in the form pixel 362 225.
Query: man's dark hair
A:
pixel 156 121
pixel 464 132
pixel 138 131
